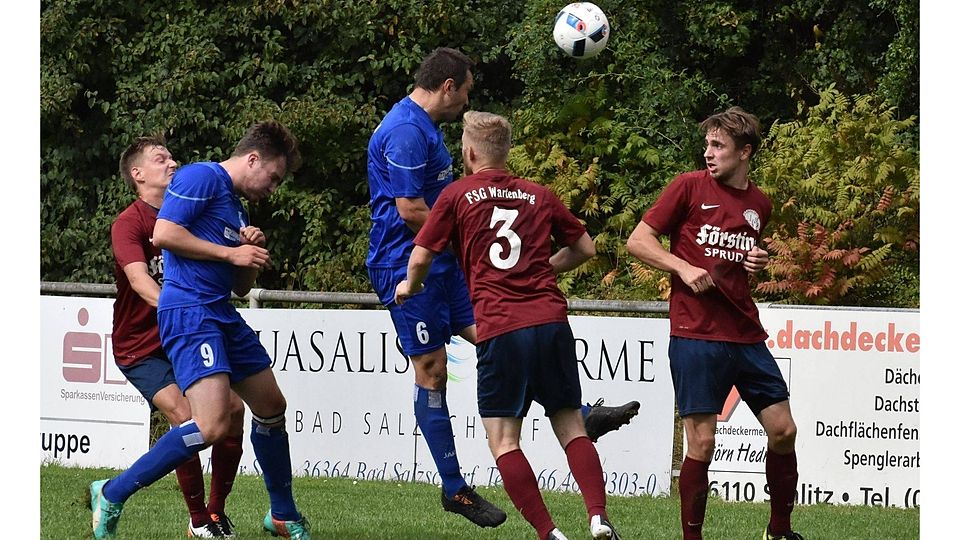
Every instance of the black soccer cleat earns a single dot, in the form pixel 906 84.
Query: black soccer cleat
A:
pixel 469 504
pixel 602 420
pixel 225 524
pixel 789 536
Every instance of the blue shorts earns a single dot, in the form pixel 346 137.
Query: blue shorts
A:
pixel 425 322
pixel 538 363
pixel 150 375
pixel 213 338
pixel 704 372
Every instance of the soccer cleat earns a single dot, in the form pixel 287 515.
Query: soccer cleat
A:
pixel 226 526
pixel 789 536
pixel 209 529
pixel 295 530
pixel 555 534
pixel 600 528
pixel 105 513
pixel 602 420
pixel 469 504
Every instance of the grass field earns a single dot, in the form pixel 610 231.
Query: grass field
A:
pixel 344 508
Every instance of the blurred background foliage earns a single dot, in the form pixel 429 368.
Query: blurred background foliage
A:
pixel 834 83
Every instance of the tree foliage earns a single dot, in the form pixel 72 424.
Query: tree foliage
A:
pixel 606 134
pixel 846 178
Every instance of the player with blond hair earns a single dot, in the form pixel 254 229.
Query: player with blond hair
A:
pixel 502 230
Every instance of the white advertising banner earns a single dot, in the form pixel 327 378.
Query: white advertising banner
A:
pixel 349 394
pixel 90 416
pixel 854 379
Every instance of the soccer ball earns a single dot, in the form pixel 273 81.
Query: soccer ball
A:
pixel 581 30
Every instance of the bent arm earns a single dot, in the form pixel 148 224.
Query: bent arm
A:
pixel 644 244
pixel 417 269
pixel 176 238
pixel 572 256
pixel 141 282
pixel 245 277
pixel 413 212
pixel 249 258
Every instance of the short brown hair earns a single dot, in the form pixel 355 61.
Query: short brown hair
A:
pixel 132 154
pixel 491 133
pixel 272 140
pixel 442 64
pixel 743 127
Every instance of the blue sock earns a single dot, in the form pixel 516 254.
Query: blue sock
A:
pixel 272 447
pixel 585 410
pixel 430 409
pixel 175 447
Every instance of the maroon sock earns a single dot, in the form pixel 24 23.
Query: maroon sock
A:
pixel 693 497
pixel 782 479
pixel 521 485
pixel 224 457
pixel 190 478
pixel 585 466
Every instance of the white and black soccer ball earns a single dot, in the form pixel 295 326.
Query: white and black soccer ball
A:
pixel 581 30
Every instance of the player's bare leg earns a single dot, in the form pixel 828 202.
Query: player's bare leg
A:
pixel 271 444
pixel 585 466
pixel 225 459
pixel 781 468
pixel 170 401
pixel 433 417
pixel 519 480
pixel 598 418
pixel 700 430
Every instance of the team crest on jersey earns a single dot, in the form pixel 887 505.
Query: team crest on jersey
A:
pixel 231 234
pixel 753 218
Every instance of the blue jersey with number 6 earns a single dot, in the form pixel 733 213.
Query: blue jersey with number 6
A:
pixel 406 158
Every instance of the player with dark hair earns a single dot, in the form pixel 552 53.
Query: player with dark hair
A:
pixel 502 228
pixel 407 166
pixel 147 167
pixel 209 250
pixel 714 218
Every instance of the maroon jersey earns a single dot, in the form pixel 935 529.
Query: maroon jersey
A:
pixel 712 226
pixel 135 331
pixel 501 228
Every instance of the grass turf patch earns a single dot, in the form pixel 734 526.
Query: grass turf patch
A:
pixel 360 509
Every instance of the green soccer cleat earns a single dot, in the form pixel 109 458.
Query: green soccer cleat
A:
pixel 295 530
pixel 105 513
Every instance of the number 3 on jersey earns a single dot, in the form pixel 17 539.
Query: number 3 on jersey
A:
pixel 507 217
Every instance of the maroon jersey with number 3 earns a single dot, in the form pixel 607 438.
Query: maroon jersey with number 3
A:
pixel 712 226
pixel 501 228
pixel 135 331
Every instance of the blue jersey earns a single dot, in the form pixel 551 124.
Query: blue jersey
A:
pixel 406 158
pixel 200 198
